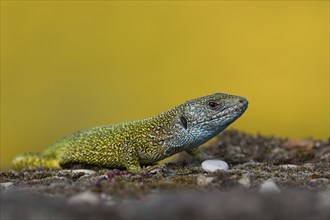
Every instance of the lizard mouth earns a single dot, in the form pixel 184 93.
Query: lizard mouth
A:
pixel 235 110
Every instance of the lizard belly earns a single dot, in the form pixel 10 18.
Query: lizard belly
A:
pixel 151 154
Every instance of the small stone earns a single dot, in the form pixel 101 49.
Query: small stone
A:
pixel 269 186
pixel 245 181
pixel 299 144
pixel 88 172
pixel 6 185
pixel 214 165
pixel 85 197
pixel 309 166
pixel 203 180
pixel 289 166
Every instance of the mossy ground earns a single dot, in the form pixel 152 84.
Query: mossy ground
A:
pixel 180 189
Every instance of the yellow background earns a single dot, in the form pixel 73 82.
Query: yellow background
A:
pixel 72 65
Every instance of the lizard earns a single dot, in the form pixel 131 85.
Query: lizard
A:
pixel 130 145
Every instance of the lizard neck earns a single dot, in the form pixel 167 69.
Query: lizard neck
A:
pixel 171 134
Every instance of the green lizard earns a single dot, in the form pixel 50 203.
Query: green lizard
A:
pixel 132 144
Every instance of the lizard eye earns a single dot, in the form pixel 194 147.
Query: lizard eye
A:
pixel 213 105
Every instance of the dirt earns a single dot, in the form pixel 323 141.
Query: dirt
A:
pixel 180 189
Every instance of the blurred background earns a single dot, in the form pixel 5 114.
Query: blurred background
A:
pixel 72 65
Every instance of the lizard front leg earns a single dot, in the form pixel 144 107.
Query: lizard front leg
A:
pixel 132 163
pixel 197 153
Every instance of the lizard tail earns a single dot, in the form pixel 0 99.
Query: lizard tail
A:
pixel 34 160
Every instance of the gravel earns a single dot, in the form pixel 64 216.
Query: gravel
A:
pixel 269 178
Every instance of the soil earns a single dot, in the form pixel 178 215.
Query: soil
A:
pixel 298 171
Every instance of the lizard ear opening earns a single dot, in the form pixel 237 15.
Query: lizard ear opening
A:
pixel 184 122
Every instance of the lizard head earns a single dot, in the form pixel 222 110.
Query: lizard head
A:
pixel 200 119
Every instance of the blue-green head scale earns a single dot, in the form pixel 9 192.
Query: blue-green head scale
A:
pixel 201 119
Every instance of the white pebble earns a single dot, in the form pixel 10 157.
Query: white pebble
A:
pixel 87 172
pixel 269 186
pixel 85 197
pixel 6 185
pixel 214 165
pixel 289 166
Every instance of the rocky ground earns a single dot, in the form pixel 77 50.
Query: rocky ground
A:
pixel 268 178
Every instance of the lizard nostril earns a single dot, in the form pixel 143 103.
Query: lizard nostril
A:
pixel 242 100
